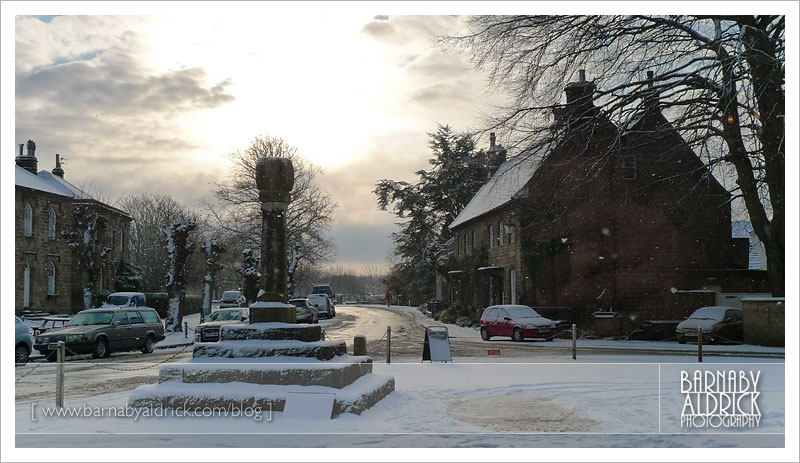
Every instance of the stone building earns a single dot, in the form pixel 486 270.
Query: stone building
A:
pixel 623 222
pixel 48 274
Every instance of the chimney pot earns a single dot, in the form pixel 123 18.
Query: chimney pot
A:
pixel 58 171
pixel 582 75
pixel 492 139
pixel 650 75
pixel 21 148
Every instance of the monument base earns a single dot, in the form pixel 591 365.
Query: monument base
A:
pixel 264 312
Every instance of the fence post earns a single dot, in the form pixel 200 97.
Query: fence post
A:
pixel 360 345
pixel 388 344
pixel 61 353
pixel 574 342
pixel 700 344
pixel 186 330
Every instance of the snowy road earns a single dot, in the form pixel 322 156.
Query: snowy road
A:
pixel 123 372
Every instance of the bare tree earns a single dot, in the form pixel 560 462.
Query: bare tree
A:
pixel 310 213
pixel 719 80
pixel 151 213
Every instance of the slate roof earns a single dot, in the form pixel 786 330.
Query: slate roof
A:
pixel 509 180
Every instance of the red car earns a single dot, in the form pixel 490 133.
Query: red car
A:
pixel 517 321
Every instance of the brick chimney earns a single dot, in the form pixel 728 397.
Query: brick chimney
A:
pixel 496 156
pixel 58 170
pixel 579 94
pixel 28 161
pixel 650 96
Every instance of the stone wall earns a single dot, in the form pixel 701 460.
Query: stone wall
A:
pixel 763 321
pixel 39 250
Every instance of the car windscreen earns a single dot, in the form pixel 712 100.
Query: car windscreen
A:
pixel 298 303
pixel 92 318
pixel 709 313
pixel 118 300
pixel 230 295
pixel 225 315
pixel 521 312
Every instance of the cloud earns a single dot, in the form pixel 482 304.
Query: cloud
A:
pixel 403 30
pixel 83 89
pixel 365 244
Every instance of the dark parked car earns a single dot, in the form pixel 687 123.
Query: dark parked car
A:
pixel 306 311
pixel 719 324
pixel 102 331
pixel 517 321
pixel 208 331
pixel 232 299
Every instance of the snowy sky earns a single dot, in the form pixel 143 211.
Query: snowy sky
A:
pixel 153 103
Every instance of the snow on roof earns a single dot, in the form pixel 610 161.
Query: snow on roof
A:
pixel 47 182
pixel 68 188
pixel 510 178
pixel 744 229
pixel 26 179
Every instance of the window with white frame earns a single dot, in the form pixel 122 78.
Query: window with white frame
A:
pixel 51 278
pixel 51 225
pixel 27 227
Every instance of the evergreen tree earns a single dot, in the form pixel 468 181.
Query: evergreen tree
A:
pixel 427 207
pixel 128 278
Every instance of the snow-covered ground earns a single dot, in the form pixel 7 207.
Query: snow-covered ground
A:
pixel 546 401
pixel 467 333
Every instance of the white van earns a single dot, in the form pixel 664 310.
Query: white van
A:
pixel 323 304
pixel 125 299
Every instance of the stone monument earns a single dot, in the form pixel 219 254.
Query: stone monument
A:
pixel 271 360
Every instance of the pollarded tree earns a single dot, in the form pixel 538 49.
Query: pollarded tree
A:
pixel 85 238
pixel 179 246
pixel 718 79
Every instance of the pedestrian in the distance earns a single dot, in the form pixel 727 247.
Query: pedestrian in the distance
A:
pixel 388 298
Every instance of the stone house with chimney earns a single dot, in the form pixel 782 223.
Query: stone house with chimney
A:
pixel 602 222
pixel 48 275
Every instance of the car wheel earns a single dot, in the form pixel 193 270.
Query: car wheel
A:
pixel 51 356
pixel 485 334
pixel 149 345
pixel 681 340
pixel 21 354
pixel 549 339
pixel 101 349
pixel 517 335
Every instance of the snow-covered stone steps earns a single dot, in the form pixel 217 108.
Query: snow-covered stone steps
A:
pixel 338 372
pixel 354 398
pixel 271 331
pixel 322 350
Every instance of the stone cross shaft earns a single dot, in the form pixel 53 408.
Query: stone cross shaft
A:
pixel 275 179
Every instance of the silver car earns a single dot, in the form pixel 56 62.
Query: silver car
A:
pixel 22 341
pixel 232 299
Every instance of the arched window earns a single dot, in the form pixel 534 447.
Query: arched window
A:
pixel 27 227
pixel 51 225
pixel 51 278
